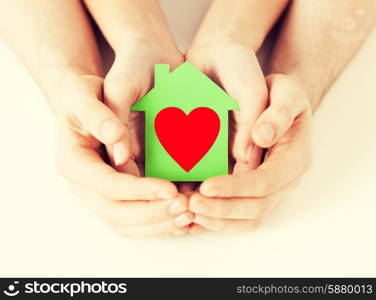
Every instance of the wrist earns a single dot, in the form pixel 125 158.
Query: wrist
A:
pixel 145 41
pixel 138 22
pixel 160 37
pixel 220 46
pixel 242 21
pixel 227 35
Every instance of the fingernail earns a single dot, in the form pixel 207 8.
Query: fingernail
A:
pixel 165 195
pixel 266 132
pixel 177 207
pixel 119 154
pixel 199 207
pixel 248 153
pixel 110 131
pixel 183 220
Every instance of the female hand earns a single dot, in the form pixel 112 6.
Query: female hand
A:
pixel 129 79
pixel 239 202
pixel 139 35
pixel 235 68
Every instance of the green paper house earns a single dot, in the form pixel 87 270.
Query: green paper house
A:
pixel 186 125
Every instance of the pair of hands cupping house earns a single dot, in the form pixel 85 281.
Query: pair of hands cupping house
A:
pixel 93 109
pixel 149 206
pixel 234 202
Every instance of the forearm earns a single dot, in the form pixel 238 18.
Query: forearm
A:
pixel 309 49
pixel 53 39
pixel 246 22
pixel 128 21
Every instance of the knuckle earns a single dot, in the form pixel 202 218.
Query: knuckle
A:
pixel 285 115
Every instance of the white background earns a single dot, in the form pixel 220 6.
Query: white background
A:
pixel 326 228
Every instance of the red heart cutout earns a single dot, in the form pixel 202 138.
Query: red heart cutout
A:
pixel 187 138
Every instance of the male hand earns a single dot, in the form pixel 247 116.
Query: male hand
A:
pixel 241 201
pixel 133 205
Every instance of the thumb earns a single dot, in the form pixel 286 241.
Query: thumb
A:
pixel 120 93
pixel 94 116
pixel 249 89
pixel 287 101
pixel 100 122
